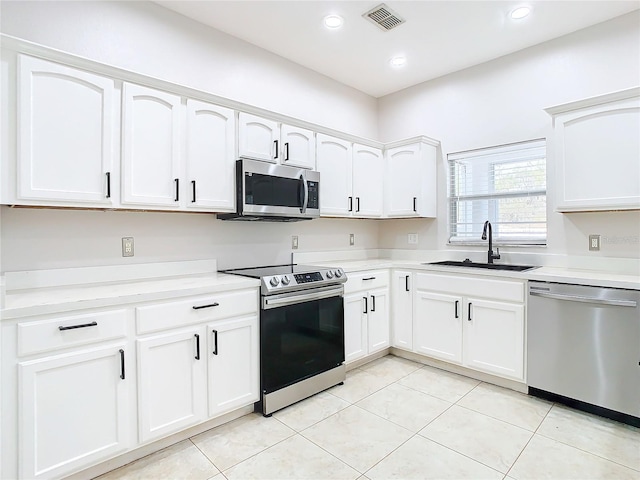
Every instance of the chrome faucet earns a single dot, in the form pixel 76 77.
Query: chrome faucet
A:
pixel 490 255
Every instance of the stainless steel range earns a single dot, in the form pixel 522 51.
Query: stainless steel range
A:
pixel 301 332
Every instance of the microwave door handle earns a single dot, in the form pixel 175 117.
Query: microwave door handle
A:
pixel 305 188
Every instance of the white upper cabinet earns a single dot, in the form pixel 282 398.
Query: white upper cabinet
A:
pixel 597 153
pixel 368 181
pixel 210 157
pixel 411 178
pixel 298 147
pixel 150 147
pixel 334 162
pixel 66 128
pixel 258 138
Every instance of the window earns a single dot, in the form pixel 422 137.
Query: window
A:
pixel 506 185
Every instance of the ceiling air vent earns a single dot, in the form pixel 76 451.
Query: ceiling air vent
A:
pixel 384 17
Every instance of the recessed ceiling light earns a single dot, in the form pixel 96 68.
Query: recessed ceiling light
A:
pixel 520 13
pixel 398 62
pixel 333 21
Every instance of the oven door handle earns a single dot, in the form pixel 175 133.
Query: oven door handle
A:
pixel 283 301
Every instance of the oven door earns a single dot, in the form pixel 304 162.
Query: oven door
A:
pixel 301 335
pixel 276 190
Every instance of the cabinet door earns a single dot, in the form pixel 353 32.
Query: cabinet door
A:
pixel 438 326
pixel 258 138
pixel 210 161
pixel 171 383
pixel 378 320
pixel 150 147
pixel 233 355
pixel 402 315
pixel 334 162
pixel 368 181
pixel 298 147
pixel 73 411
pixel 66 129
pixel 355 326
pixel 494 337
pixel 403 181
pixel 597 155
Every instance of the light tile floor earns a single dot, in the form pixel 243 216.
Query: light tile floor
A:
pixel 394 418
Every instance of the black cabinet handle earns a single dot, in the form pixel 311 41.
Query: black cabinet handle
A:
pixel 456 309
pixel 406 283
pixel 108 174
pixel 73 327
pixel 415 200
pixel 351 204
pixel 193 191
pixel 122 364
pixel 469 316
pixel 286 151
pixel 197 346
pixel 215 342
pixel 198 307
pixel 369 278
pixel 276 144
pixel 373 303
pixel 366 305
pixel 177 181
pixel 357 204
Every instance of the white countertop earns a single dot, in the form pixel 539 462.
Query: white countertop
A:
pixel 545 274
pixel 40 301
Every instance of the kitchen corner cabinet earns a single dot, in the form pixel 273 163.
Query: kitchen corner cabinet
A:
pixel 209 177
pixel 150 147
pixel 366 314
pixel 411 178
pixel 267 140
pixel 74 377
pixel 402 298
pixel 66 129
pixel 476 322
pixel 596 150
pixel 351 178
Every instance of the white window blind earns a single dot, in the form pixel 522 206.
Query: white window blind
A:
pixel 506 185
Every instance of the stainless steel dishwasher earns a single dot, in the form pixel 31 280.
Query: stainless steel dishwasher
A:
pixel 583 348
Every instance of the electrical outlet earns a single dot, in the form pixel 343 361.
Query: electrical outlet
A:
pixel 127 246
pixel 594 243
pixel 412 238
pixel 352 239
pixel 294 242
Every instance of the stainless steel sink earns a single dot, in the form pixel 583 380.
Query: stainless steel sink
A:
pixel 487 266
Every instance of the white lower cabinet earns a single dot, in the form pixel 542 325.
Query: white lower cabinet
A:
pixel 172 379
pixel 366 314
pixel 473 321
pixel 73 410
pixel 233 359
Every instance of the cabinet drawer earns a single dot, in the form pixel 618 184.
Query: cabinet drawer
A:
pixel 62 332
pixel 203 308
pixel 498 289
pixel 366 280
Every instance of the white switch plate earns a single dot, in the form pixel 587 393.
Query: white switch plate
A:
pixel 594 243
pixel 412 238
pixel 127 246
pixel 352 239
pixel 294 242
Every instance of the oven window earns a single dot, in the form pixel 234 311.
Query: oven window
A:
pixel 299 341
pixel 271 190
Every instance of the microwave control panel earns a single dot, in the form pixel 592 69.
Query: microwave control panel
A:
pixel 313 201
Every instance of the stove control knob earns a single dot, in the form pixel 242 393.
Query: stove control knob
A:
pixel 338 273
pixel 286 280
pixel 329 274
pixel 274 281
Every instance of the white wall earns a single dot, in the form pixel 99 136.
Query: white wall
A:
pixel 149 39
pixel 502 101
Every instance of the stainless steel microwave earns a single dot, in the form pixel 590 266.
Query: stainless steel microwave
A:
pixel 269 192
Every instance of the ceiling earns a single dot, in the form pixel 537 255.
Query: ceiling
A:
pixel 438 37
